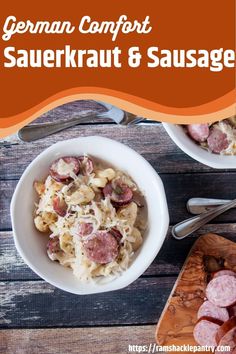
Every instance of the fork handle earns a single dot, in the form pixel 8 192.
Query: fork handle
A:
pixel 39 131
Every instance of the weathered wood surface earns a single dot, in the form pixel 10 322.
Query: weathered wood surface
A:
pixel 179 316
pixel 168 262
pixel 155 145
pixel 75 340
pixel 35 304
pixel 179 188
pixel 71 110
pixel 28 302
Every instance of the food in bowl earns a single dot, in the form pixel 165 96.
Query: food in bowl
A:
pixel 33 249
pixel 218 138
pixel 94 216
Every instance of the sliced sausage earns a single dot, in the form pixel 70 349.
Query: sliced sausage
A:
pixel 119 192
pixel 198 132
pixel 224 272
pixel 226 327
pixel 53 248
pixel 62 168
pixel 226 335
pixel 102 247
pixel 86 165
pixel 205 331
pixel 116 233
pixel 221 291
pixel 232 311
pixel 85 229
pixel 59 206
pixel 217 141
pixel 211 310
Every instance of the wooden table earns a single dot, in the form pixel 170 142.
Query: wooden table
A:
pixel 35 317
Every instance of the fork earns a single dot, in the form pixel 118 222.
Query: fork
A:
pixel 39 131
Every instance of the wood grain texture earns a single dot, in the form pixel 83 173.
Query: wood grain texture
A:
pixel 154 144
pixel 168 262
pixel 180 313
pixel 28 302
pixel 38 304
pixel 103 340
pixel 179 188
pixel 71 110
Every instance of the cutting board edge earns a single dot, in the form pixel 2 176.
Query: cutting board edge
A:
pixel 179 277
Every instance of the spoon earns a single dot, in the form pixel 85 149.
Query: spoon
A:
pixel 188 226
pixel 39 131
pixel 198 206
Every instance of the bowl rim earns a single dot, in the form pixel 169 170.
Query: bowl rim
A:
pixel 121 281
pixel 208 159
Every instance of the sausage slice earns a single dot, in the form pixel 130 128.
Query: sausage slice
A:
pixel 102 247
pixel 61 169
pixel 198 132
pixel 85 229
pixel 232 311
pixel 53 248
pixel 226 335
pixel 221 291
pixel 205 331
pixel 217 141
pixel 59 206
pixel 119 192
pixel 210 310
pixel 116 233
pixel 224 272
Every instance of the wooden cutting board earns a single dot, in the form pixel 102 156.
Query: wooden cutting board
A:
pixel 179 316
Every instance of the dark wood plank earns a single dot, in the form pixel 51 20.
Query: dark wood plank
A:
pixel 179 188
pixel 6 192
pixel 156 147
pixel 168 262
pixel 71 110
pixel 103 340
pixel 38 304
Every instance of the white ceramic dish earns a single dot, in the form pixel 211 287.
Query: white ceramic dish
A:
pixel 185 143
pixel 31 244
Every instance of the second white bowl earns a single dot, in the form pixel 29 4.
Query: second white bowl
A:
pixel 185 143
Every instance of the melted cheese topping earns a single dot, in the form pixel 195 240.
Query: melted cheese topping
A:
pixel 64 168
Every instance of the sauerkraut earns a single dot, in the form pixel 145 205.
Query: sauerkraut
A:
pixel 218 137
pixel 94 217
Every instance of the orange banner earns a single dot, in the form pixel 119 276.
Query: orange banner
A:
pixel 166 60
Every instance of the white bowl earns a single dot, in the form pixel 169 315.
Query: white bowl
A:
pixel 185 143
pixel 31 244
